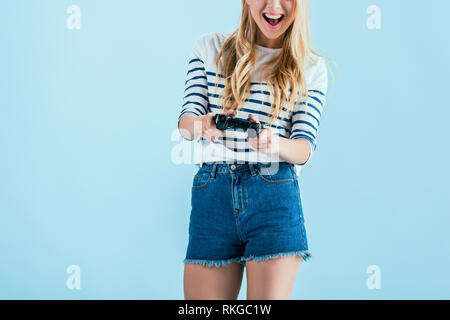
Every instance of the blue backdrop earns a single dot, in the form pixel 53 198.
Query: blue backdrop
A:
pixel 88 125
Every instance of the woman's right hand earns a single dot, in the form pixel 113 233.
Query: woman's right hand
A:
pixel 209 128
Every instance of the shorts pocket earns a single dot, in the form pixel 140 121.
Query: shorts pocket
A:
pixel 275 175
pixel 201 179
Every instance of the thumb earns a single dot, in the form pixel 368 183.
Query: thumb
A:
pixel 253 118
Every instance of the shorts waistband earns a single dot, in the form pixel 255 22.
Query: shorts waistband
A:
pixel 227 167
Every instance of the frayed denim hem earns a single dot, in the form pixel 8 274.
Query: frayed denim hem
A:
pixel 305 254
pixel 210 263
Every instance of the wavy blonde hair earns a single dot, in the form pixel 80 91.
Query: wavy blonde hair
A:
pixel 287 74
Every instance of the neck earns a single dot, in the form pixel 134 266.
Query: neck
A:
pixel 262 40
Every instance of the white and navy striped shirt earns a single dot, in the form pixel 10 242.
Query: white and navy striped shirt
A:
pixel 300 123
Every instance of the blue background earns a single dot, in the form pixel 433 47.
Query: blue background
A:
pixel 87 178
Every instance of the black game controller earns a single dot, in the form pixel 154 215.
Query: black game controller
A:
pixel 224 122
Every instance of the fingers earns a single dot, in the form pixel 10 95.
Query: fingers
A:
pixel 253 118
pixel 209 128
pixel 211 137
pixel 211 131
pixel 263 142
pixel 257 147
pixel 263 137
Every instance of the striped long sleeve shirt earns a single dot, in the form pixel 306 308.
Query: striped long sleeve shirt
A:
pixel 302 122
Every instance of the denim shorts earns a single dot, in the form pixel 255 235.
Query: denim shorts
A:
pixel 247 211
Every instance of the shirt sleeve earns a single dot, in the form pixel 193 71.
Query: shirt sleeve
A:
pixel 195 99
pixel 306 115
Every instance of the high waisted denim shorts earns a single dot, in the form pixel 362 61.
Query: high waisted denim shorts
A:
pixel 247 211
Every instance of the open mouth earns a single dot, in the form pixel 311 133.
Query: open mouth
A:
pixel 273 20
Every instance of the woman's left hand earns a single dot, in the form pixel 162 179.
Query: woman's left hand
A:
pixel 265 142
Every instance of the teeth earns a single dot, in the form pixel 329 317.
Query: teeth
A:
pixel 273 17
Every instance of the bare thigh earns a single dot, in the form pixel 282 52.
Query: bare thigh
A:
pixel 206 283
pixel 272 279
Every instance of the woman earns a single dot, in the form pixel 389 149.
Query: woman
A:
pixel 246 204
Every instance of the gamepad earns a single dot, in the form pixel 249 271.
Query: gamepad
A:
pixel 224 122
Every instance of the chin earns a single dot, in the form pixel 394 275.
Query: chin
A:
pixel 272 35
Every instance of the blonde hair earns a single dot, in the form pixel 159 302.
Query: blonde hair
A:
pixel 287 74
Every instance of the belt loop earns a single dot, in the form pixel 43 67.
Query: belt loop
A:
pixel 252 169
pixel 214 170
